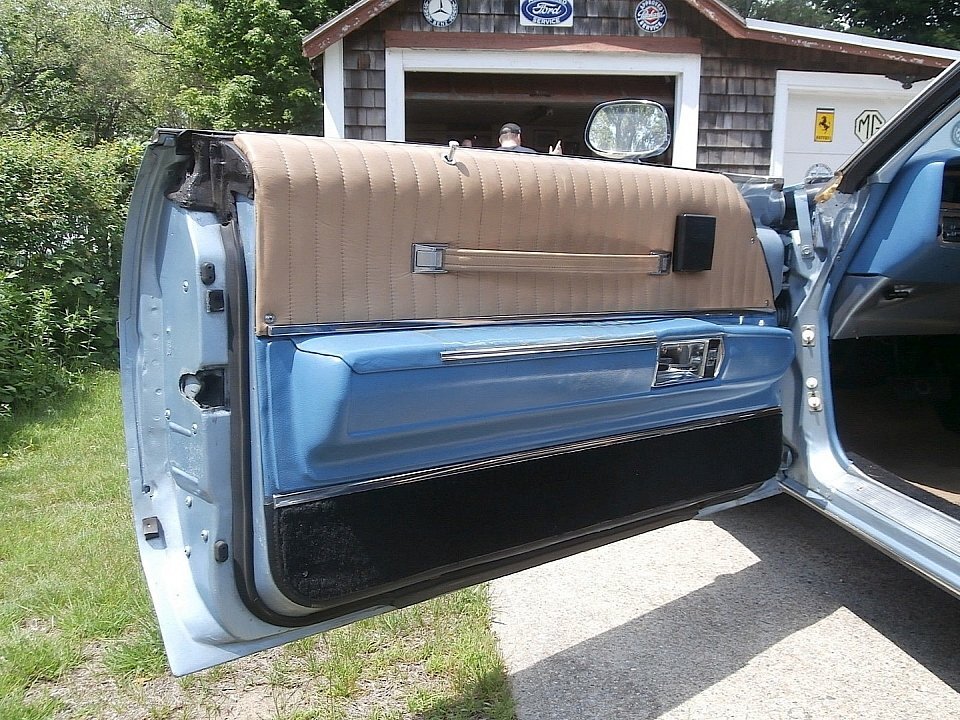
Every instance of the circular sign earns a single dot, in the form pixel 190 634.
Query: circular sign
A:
pixel 546 12
pixel 818 172
pixel 651 15
pixel 440 13
pixel 955 134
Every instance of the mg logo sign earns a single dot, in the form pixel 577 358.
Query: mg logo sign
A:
pixel 867 124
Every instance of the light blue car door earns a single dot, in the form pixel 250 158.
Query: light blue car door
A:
pixel 879 278
pixel 358 375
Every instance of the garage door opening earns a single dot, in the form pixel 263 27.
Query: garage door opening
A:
pixel 441 107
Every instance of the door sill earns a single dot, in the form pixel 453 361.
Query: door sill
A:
pixel 920 537
pixel 905 487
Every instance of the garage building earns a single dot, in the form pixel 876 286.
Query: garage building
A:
pixel 745 96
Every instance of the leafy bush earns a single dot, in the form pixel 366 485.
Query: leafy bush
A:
pixel 62 209
pixel 29 367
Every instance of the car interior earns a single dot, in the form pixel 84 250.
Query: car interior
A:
pixel 895 330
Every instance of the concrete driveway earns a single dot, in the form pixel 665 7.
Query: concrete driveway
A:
pixel 768 611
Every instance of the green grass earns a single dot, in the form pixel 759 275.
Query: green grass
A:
pixel 68 570
pixel 70 581
pixel 437 660
pixel 140 655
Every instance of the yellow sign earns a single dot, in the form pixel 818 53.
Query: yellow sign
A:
pixel 823 130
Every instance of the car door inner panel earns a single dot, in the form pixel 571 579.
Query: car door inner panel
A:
pixel 461 363
pixel 394 374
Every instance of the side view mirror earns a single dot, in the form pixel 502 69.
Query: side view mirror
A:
pixel 633 129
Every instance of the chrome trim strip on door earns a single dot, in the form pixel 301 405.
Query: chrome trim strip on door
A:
pixel 755 314
pixel 495 352
pixel 304 496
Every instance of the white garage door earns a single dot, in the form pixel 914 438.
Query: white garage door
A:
pixel 824 117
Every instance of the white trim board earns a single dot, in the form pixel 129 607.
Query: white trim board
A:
pixel 801 31
pixel 332 91
pixel 685 68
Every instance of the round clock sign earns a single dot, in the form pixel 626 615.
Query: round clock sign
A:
pixel 440 13
pixel 651 15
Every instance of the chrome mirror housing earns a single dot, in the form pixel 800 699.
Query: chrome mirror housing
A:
pixel 628 129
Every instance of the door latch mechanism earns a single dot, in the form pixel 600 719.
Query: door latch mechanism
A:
pixel 686 361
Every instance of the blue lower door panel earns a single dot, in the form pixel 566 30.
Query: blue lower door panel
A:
pixel 397 459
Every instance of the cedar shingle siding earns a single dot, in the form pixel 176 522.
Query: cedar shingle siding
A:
pixel 364 82
pixel 738 77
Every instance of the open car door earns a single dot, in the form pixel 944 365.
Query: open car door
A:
pixel 874 406
pixel 357 375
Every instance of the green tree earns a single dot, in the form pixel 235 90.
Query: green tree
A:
pixel 97 67
pixel 795 12
pixel 930 22
pixel 241 66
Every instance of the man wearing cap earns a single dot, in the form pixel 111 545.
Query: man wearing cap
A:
pixel 510 139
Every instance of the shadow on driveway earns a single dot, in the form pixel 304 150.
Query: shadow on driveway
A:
pixel 808 570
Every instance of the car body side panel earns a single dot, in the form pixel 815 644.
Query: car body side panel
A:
pixel 881 270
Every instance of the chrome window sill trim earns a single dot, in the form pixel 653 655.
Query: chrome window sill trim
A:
pixel 495 352
pixel 439 323
pixel 298 498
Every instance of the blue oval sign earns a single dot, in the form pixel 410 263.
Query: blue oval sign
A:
pixel 546 12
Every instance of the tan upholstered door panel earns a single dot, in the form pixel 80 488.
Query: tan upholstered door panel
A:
pixel 337 220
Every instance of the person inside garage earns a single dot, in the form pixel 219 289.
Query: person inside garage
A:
pixel 510 139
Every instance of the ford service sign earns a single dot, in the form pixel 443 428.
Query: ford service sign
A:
pixel 558 13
